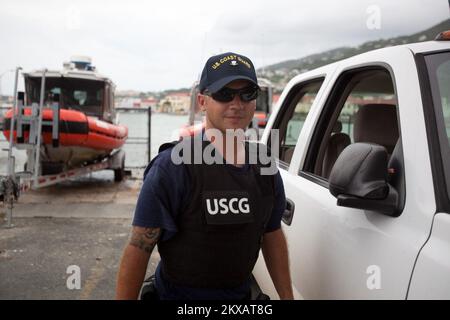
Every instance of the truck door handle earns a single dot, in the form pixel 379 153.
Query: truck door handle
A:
pixel 288 213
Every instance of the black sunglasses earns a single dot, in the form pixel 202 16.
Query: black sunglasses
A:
pixel 225 94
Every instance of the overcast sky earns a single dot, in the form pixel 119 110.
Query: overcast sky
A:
pixel 157 45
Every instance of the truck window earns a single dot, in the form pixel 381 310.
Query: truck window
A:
pixel 362 108
pixel 438 66
pixel 290 122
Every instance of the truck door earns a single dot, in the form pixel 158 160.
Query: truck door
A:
pixel 345 253
pixel 288 124
pixel 431 276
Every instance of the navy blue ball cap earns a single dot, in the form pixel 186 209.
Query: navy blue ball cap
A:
pixel 221 69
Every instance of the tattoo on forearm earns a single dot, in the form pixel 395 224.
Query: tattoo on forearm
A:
pixel 145 239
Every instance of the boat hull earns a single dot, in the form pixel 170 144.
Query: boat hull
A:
pixel 81 138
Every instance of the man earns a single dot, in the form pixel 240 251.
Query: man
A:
pixel 210 220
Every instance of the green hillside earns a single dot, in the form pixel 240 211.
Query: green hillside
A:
pixel 280 73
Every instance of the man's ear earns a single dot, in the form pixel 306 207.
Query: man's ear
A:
pixel 201 101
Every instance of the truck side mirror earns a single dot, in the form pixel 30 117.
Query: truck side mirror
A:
pixel 359 179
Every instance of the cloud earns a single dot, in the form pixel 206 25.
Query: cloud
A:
pixel 149 45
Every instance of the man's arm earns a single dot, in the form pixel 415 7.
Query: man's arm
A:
pixel 275 253
pixel 134 262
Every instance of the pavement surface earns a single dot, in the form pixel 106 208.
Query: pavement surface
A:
pixel 84 223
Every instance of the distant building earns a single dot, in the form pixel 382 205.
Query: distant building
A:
pixel 6 101
pixel 127 93
pixel 128 103
pixel 149 102
pixel 178 103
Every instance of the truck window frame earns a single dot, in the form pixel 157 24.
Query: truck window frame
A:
pixel 287 109
pixel 330 112
pixel 433 123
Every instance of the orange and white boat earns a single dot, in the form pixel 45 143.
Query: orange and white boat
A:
pixel 87 129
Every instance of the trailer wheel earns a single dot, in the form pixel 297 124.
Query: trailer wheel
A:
pixel 119 173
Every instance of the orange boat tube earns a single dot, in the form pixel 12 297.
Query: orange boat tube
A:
pixel 75 129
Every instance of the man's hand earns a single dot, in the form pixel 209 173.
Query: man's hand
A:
pixel 275 253
pixel 134 262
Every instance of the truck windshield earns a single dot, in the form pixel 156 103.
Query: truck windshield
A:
pixel 78 94
pixel 438 66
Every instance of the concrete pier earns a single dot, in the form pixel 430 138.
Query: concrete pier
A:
pixel 85 222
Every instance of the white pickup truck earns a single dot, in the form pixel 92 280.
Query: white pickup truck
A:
pixel 364 152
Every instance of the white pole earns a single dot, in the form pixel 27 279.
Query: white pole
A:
pixel 11 163
pixel 11 169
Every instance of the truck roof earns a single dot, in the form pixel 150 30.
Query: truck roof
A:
pixel 427 46
pixel 419 47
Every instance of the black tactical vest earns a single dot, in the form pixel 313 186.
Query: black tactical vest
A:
pixel 220 231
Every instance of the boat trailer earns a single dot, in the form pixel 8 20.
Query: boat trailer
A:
pixel 15 183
